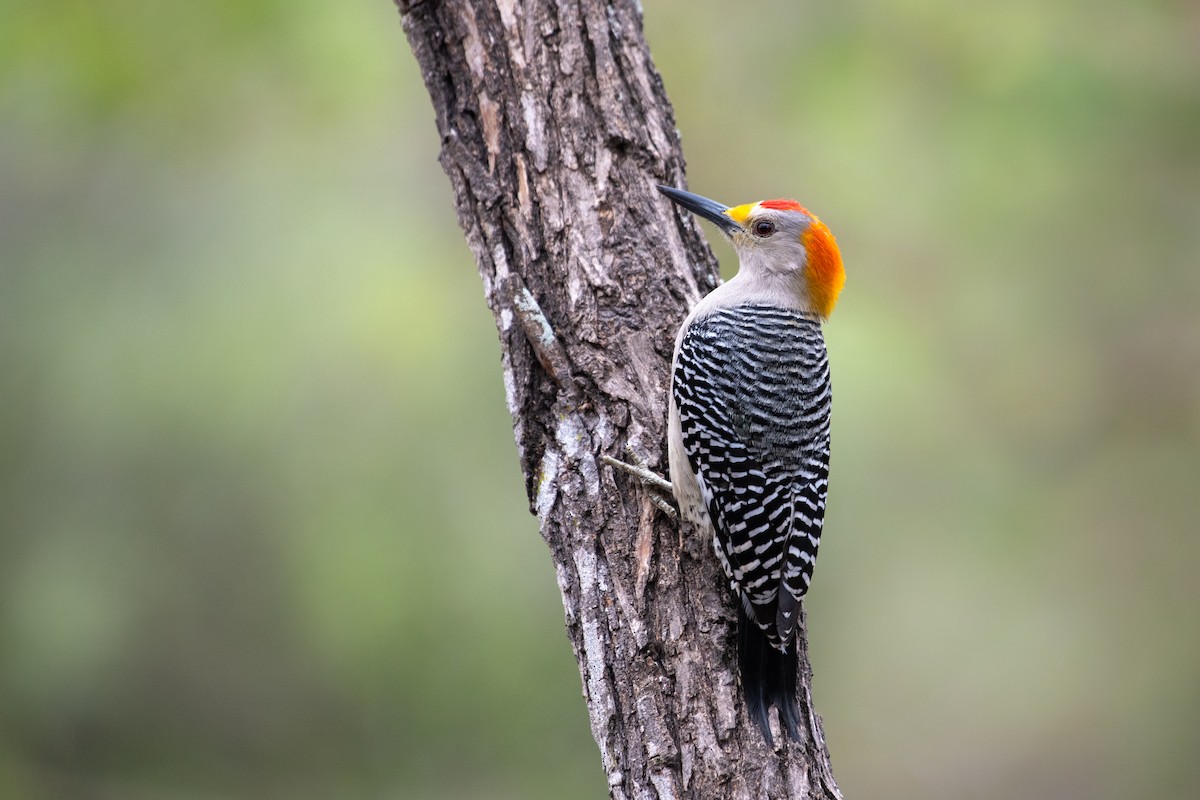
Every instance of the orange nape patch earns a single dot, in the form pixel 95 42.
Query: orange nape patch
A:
pixel 784 205
pixel 825 273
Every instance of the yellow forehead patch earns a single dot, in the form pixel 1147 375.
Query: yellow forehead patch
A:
pixel 740 214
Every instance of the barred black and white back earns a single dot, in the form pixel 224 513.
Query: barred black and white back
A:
pixel 752 390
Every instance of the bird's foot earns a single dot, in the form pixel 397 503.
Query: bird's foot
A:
pixel 658 488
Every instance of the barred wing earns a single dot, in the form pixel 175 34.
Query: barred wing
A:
pixel 752 388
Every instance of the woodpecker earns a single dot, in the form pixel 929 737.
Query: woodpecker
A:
pixel 749 429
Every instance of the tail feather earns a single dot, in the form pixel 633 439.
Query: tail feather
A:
pixel 768 679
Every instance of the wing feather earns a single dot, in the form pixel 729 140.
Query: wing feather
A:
pixel 752 388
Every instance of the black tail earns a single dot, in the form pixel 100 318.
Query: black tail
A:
pixel 768 678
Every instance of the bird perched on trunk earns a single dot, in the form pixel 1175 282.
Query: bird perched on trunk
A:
pixel 749 429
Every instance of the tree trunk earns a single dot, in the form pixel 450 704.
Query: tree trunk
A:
pixel 555 128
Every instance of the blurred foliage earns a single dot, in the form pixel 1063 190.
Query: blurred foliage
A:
pixel 249 376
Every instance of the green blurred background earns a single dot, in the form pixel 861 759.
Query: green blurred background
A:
pixel 248 377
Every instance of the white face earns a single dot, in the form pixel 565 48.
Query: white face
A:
pixel 771 239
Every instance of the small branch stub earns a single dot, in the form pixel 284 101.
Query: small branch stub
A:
pixel 539 333
pixel 658 488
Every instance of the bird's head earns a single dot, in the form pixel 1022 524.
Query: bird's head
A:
pixel 778 239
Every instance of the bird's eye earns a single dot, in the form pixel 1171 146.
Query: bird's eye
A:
pixel 764 228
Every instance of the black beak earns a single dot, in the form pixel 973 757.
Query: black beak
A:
pixel 710 210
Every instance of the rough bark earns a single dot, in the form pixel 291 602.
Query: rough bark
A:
pixel 555 127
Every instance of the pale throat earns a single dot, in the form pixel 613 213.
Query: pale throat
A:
pixel 761 279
